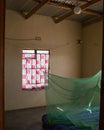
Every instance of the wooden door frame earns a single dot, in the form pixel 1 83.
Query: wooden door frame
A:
pixel 2 33
pixel 2 49
pixel 101 122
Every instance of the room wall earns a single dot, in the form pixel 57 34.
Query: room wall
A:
pixel 66 60
pixel 60 39
pixel 92 49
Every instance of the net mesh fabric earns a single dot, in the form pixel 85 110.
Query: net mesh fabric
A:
pixel 73 101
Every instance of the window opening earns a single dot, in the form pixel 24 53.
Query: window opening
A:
pixel 35 63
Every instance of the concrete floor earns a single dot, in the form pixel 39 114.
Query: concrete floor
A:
pixel 25 119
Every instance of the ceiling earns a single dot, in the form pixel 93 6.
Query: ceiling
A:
pixel 91 10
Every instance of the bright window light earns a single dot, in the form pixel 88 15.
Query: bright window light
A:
pixel 35 63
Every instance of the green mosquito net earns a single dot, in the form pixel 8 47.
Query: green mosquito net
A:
pixel 73 101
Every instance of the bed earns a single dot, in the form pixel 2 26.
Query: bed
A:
pixel 72 103
pixel 78 120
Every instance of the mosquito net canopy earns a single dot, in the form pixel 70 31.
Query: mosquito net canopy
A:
pixel 73 101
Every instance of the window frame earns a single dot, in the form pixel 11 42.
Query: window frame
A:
pixel 35 53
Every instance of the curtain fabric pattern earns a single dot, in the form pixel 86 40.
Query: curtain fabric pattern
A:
pixel 34 65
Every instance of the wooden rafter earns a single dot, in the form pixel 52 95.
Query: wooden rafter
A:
pixel 70 7
pixel 83 7
pixel 57 20
pixel 58 5
pixel 35 9
pixel 91 12
pixel 89 4
pixel 62 6
pixel 66 7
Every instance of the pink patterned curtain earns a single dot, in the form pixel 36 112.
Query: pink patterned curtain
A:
pixel 34 65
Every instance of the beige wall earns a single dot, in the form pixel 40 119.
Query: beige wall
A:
pixel 65 57
pixel 92 49
pixel 66 60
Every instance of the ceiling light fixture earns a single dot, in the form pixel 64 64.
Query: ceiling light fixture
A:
pixel 77 8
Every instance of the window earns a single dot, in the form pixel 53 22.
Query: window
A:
pixel 35 63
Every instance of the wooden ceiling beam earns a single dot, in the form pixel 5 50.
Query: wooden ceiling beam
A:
pixel 57 20
pixel 60 5
pixel 87 11
pixel 35 9
pixel 91 12
pixel 83 7
pixel 89 4
pixel 85 0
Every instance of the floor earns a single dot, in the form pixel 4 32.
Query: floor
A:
pixel 25 119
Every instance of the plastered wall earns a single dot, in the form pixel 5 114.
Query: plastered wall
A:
pixel 92 49
pixel 60 39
